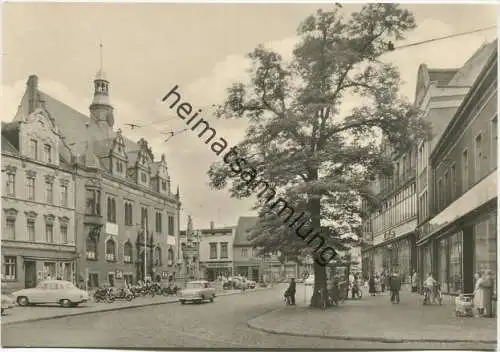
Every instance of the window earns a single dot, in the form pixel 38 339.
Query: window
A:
pixel 224 250
pixel 465 171
pixel 119 166
pixel 111 205
pixel 49 192
pixel 157 256
pixel 163 185
pixel 93 280
pixel 244 252
pixel 439 195
pixel 494 142
pixel 158 220
pixel 128 214
pixel 10 268
pixel 171 225
pixel 10 229
pixel 11 185
pixel 30 188
pixel 478 158
pixel 64 233
pixel 33 149
pixel 93 202
pixel 31 230
pixel 64 195
pixel 47 153
pixel 446 190
pixel 213 250
pixel 170 257
pixel 127 252
pixel 144 178
pixel 49 271
pixel 49 233
pixel 110 250
pixel 453 182
pixel 442 262
pixel 91 248
pixel 144 217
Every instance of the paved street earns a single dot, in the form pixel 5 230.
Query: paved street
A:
pixel 219 324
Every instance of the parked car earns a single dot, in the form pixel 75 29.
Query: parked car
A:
pixel 197 291
pixel 251 284
pixel 8 302
pixel 52 291
pixel 309 281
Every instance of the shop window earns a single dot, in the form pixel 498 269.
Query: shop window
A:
pixel 93 280
pixel 49 270
pixel 442 270
pixel 455 279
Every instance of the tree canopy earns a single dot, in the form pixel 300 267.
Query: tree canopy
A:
pixel 315 123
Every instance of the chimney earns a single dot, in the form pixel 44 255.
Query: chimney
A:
pixel 32 93
pixel 211 225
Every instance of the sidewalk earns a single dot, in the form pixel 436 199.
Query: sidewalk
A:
pixel 35 313
pixel 377 319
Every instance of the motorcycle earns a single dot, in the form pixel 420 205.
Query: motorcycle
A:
pixel 122 294
pixel 104 294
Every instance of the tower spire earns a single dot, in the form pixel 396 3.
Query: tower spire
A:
pixel 100 57
pixel 101 109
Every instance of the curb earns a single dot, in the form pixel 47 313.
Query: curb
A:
pixel 357 338
pixel 108 310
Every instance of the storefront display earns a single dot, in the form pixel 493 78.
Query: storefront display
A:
pixel 485 246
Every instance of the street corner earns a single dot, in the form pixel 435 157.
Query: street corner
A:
pixel 348 322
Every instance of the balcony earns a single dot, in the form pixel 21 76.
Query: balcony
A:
pixel 93 219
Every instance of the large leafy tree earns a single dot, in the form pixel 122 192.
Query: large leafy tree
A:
pixel 318 154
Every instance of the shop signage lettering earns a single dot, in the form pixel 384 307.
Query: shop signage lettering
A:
pixel 119 274
pixel 164 275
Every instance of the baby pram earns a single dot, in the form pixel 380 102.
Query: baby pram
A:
pixel 286 297
pixel 463 307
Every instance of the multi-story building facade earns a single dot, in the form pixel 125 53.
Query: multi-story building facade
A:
pixel 389 231
pixel 126 217
pixel 248 263
pixel 392 231
pixel 459 235
pixel 38 218
pixel 216 252
pixel 189 260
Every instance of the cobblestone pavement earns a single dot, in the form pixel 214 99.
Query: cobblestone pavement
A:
pixel 222 324
pixel 21 314
pixel 376 318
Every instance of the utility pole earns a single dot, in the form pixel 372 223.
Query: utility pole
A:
pixel 145 248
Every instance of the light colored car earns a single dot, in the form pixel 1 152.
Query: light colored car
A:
pixel 8 302
pixel 251 284
pixel 52 291
pixel 309 281
pixel 197 291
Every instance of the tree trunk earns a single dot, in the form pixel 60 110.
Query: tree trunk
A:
pixel 319 300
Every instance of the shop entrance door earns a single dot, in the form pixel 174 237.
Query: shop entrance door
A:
pixel 29 274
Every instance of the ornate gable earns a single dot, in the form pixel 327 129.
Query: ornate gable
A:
pixel 162 168
pixel 423 81
pixel 118 146
pixel 145 156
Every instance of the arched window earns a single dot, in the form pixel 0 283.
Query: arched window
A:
pixel 170 257
pixel 127 252
pixel 110 250
pixel 157 256
pixel 91 248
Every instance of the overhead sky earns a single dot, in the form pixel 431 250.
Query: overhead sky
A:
pixel 148 48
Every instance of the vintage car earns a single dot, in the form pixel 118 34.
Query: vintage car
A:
pixel 8 301
pixel 251 284
pixel 52 291
pixel 197 291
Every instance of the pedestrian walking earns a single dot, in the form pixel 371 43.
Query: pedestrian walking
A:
pixel 291 291
pixel 395 287
pixel 243 285
pixel 478 300
pixel 487 284
pixel 383 282
pixel 371 286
